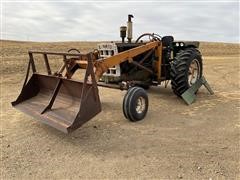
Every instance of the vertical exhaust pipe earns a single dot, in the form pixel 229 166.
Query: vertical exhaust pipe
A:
pixel 129 28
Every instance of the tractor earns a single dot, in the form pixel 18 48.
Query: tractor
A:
pixel 64 103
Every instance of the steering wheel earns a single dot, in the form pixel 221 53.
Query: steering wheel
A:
pixel 151 36
pixel 73 49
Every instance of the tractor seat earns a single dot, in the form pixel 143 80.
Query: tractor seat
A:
pixel 167 41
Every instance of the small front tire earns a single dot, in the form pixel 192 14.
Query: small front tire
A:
pixel 135 104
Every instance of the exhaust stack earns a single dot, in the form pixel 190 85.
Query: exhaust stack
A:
pixel 129 28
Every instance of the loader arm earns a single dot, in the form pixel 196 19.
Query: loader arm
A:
pixel 104 64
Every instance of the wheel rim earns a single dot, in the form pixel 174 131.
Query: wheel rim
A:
pixel 194 72
pixel 141 105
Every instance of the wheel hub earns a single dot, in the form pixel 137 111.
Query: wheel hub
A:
pixel 141 105
pixel 194 72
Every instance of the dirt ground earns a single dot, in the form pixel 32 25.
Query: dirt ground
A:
pixel 174 141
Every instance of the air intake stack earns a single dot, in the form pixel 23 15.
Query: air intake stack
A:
pixel 123 32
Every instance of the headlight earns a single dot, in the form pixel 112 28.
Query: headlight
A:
pixel 177 44
pixel 181 44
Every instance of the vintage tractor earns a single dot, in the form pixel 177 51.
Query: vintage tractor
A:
pixel 58 100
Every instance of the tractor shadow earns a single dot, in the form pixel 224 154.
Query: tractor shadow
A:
pixel 159 90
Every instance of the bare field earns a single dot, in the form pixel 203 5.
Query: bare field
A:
pixel 174 141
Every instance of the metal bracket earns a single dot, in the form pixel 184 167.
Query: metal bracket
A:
pixel 54 95
pixel 189 95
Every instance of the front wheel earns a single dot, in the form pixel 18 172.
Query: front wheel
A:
pixel 135 104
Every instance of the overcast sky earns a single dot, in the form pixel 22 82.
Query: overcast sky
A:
pixel 75 21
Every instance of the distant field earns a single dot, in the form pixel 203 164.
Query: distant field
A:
pixel 219 49
pixel 207 48
pixel 14 53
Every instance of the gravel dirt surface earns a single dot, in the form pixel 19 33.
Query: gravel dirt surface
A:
pixel 174 141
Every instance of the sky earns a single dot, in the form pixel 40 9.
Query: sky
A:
pixel 216 21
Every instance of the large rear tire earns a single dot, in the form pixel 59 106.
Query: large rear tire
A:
pixel 135 104
pixel 186 69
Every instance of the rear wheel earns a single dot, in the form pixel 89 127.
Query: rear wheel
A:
pixel 186 69
pixel 135 104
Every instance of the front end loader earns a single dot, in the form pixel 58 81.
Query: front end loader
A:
pixel 65 103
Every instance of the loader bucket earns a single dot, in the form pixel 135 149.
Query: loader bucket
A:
pixel 62 103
